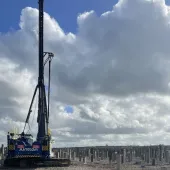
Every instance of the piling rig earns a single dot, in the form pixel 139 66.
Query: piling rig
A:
pixel 23 151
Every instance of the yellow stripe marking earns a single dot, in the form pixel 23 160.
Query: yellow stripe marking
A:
pixel 11 147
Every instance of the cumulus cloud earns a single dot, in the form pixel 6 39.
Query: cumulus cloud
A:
pixel 114 71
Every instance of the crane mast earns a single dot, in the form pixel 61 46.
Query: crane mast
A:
pixel 43 113
pixel 42 106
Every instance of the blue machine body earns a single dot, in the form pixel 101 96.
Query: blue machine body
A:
pixel 24 146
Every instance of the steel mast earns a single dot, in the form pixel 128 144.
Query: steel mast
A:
pixel 43 113
pixel 42 107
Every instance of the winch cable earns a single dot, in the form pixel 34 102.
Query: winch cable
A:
pixel 29 130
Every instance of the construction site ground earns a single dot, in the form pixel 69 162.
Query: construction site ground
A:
pixel 102 165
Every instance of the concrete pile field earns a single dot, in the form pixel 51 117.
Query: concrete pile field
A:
pixel 113 158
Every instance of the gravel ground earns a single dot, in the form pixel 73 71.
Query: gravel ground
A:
pixel 90 167
pixel 99 166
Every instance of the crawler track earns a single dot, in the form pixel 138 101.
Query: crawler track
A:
pixel 36 162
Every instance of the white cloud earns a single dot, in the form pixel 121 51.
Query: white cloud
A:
pixel 114 72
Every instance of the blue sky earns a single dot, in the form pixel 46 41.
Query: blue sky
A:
pixel 69 109
pixel 65 14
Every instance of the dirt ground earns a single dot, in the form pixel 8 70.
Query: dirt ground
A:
pixel 99 166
